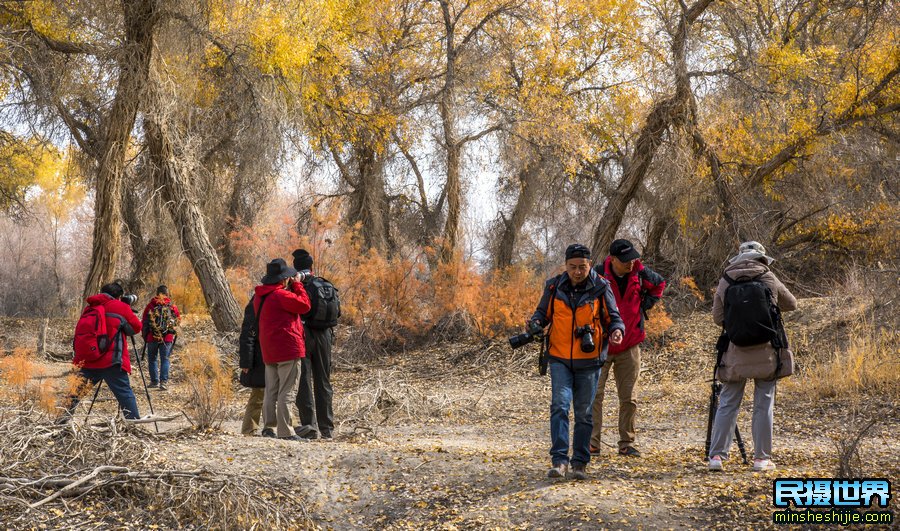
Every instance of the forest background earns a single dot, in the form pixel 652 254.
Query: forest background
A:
pixel 188 143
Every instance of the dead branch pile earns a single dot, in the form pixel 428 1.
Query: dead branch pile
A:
pixel 72 476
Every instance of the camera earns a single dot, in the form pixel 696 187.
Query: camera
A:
pixel 304 274
pixel 586 333
pixel 533 331
pixel 129 299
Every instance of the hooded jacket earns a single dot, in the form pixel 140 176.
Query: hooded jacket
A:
pixel 644 287
pixel 738 362
pixel 280 328
pixel 118 317
pixel 249 352
pixel 159 300
pixel 566 308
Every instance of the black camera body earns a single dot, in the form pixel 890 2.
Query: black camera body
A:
pixel 129 299
pixel 534 331
pixel 586 334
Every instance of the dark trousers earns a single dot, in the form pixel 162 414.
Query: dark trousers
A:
pixel 118 383
pixel 314 394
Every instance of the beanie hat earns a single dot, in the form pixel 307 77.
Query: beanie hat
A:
pixel 302 260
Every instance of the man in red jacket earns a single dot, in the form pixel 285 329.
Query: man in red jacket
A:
pixel 114 365
pixel 159 321
pixel 279 301
pixel 636 288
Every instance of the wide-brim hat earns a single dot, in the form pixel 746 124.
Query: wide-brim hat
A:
pixel 276 271
pixel 752 251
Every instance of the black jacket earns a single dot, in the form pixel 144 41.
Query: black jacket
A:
pixel 250 352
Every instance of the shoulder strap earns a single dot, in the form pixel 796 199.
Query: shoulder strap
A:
pixel 258 312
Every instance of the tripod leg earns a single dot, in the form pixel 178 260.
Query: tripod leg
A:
pixel 94 399
pixel 740 443
pixel 144 381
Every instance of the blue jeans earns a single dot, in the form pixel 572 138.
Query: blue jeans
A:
pixel 162 350
pixel 578 388
pixel 118 383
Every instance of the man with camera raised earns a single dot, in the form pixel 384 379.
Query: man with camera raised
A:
pixel 583 320
pixel 101 350
pixel 279 301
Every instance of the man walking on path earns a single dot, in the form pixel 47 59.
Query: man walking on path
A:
pixel 160 318
pixel 637 288
pixel 580 311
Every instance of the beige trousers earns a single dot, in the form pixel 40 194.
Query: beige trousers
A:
pixel 281 380
pixel 626 367
pixel 253 411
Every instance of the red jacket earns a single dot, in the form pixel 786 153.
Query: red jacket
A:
pixel 645 286
pixel 280 328
pixel 118 315
pixel 154 302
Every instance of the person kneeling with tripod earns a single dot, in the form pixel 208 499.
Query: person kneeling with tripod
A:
pixel 581 313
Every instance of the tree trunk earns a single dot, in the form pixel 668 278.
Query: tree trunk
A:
pixel 180 198
pixel 528 189
pixel 140 19
pixel 369 204
pixel 147 253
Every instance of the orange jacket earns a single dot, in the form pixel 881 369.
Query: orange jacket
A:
pixel 566 308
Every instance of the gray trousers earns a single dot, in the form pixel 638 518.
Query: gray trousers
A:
pixel 281 379
pixel 726 418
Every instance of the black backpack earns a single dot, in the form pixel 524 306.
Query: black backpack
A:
pixel 325 304
pixel 751 317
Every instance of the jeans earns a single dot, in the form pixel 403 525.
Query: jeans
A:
pixel 163 350
pixel 576 387
pixel 117 381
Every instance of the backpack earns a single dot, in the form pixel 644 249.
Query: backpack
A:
pixel 751 317
pixel 325 304
pixel 91 337
pixel 162 321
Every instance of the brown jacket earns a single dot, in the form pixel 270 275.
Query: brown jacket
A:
pixel 756 361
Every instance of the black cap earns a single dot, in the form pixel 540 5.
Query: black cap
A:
pixel 302 260
pixel 623 250
pixel 576 250
pixel 276 271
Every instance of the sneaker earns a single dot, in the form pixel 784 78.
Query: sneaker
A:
pixel 162 386
pixel 291 438
pixel 629 451
pixel 715 463
pixel 763 465
pixel 154 385
pixel 579 472
pixel 594 450
pixel 558 471
pixel 268 432
pixel 326 435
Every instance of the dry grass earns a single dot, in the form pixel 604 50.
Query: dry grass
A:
pixel 870 364
pixel 210 383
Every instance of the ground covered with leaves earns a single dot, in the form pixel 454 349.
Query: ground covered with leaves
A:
pixel 454 436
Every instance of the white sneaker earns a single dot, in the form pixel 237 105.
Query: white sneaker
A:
pixel 715 463
pixel 763 465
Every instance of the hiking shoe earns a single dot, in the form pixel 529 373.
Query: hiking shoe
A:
pixel 558 471
pixel 268 432
pixel 162 386
pixel 291 438
pixel 763 465
pixel 715 463
pixel 629 451
pixel 154 385
pixel 579 472
pixel 594 450
pixel 326 435
pixel 303 430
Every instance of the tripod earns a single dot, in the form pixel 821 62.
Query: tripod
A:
pixel 140 365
